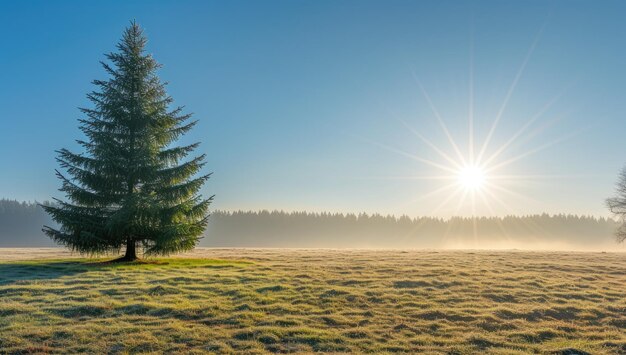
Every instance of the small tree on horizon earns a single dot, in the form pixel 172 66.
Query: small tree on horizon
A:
pixel 130 187
pixel 617 205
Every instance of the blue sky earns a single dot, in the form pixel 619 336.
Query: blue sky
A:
pixel 302 103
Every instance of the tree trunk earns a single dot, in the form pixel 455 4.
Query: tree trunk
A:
pixel 131 251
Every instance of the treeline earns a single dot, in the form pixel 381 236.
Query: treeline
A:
pixel 21 223
pixel 337 230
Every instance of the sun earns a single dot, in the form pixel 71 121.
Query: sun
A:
pixel 472 177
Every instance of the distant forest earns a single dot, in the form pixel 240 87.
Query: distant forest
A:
pixel 21 223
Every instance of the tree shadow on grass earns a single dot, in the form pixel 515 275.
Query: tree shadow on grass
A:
pixel 15 272
pixel 24 271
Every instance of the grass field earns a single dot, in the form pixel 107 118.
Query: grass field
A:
pixel 280 300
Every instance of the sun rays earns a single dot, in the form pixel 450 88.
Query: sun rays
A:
pixel 474 176
pixel 477 173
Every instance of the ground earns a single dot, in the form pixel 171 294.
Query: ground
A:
pixel 290 300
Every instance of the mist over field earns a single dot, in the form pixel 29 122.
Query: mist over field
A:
pixel 21 223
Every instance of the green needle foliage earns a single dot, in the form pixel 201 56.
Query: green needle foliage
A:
pixel 131 186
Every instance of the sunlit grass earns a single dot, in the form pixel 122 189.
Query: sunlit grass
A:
pixel 278 300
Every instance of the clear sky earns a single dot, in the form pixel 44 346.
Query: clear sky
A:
pixel 312 105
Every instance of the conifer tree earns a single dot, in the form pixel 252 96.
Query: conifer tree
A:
pixel 617 206
pixel 132 186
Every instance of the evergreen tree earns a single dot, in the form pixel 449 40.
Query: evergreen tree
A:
pixel 131 187
pixel 617 205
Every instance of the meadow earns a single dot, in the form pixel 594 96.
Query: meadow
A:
pixel 313 300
